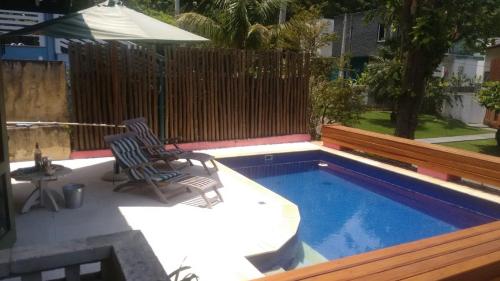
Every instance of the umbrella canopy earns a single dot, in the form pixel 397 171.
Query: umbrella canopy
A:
pixel 109 22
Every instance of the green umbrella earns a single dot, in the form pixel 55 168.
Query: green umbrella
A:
pixel 109 21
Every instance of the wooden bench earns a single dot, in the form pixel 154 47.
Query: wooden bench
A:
pixel 469 254
pixel 431 159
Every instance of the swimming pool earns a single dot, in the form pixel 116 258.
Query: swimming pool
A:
pixel 348 207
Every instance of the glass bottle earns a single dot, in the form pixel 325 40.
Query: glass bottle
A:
pixel 38 156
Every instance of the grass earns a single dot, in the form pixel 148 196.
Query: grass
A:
pixel 429 126
pixel 482 146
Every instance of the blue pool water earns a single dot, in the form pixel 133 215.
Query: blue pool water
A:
pixel 344 211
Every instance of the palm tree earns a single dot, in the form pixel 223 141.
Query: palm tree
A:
pixel 234 23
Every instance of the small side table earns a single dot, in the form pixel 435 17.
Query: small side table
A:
pixel 41 196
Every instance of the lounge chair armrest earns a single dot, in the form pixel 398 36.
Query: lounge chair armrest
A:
pixel 149 146
pixel 175 274
pixel 138 167
pixel 158 155
pixel 174 142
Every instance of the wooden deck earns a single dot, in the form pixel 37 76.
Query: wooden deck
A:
pixel 435 158
pixel 470 254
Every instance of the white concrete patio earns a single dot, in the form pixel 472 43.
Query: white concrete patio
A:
pixel 215 242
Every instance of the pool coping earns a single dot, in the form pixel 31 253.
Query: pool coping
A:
pixel 317 145
pixel 290 216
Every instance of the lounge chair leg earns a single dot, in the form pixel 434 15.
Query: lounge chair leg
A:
pixel 218 193
pixel 189 161
pixel 215 165
pixel 206 168
pixel 160 195
pixel 209 205
pixel 119 187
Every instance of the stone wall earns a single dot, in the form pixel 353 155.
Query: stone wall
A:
pixel 36 91
pixel 54 142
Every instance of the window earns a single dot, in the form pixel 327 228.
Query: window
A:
pixel 381 33
pixel 11 20
pixel 22 41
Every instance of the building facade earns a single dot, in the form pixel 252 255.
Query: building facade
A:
pixel 463 63
pixel 362 39
pixel 29 47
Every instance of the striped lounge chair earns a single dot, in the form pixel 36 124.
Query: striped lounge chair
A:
pixel 156 148
pixel 130 157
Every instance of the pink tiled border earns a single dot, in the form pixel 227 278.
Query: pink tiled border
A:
pixel 206 145
pixel 438 175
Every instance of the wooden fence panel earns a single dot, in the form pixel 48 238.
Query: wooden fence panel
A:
pixel 111 83
pixel 211 94
pixel 222 94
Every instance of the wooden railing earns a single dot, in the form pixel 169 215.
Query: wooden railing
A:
pixel 441 159
pixel 469 254
pixel 123 256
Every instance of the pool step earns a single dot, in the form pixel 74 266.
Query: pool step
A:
pixel 274 271
pixel 307 256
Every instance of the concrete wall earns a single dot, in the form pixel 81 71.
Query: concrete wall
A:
pixel 54 143
pixel 472 67
pixel 465 108
pixel 36 91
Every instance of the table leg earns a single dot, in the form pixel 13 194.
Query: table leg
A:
pixel 48 201
pixel 33 199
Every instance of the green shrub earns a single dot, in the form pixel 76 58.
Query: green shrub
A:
pixel 337 101
pixel 489 96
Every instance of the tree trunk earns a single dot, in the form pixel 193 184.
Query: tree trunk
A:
pixel 393 117
pixel 497 137
pixel 420 60
pixel 407 118
pixel 413 91
pixel 414 75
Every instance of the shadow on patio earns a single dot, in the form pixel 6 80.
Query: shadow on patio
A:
pixel 101 212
